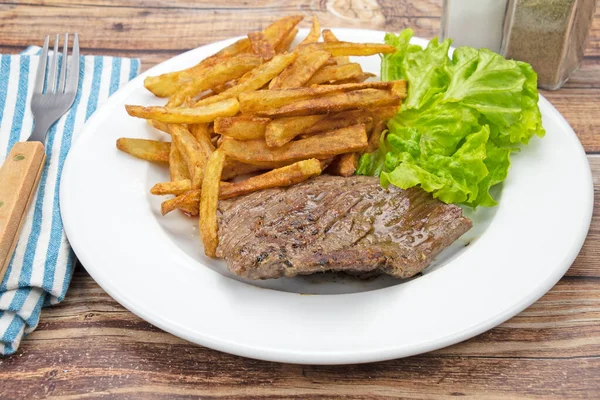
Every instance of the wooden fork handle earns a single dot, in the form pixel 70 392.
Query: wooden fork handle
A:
pixel 19 176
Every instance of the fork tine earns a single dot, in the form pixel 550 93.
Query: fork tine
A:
pixel 51 86
pixel 41 71
pixel 63 66
pixel 74 68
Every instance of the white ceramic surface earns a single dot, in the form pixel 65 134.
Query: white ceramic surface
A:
pixel 155 267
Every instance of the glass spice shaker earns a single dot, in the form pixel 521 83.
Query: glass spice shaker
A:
pixel 548 34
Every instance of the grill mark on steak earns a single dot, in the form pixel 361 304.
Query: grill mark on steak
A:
pixel 332 223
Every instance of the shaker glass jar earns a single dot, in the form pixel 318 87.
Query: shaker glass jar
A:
pixel 548 34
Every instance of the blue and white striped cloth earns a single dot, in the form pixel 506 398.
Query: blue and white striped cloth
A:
pixel 41 268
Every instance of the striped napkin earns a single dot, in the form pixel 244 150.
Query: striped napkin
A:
pixel 41 268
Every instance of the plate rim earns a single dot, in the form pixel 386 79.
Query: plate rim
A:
pixel 304 357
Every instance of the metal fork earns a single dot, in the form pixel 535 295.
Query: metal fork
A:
pixel 21 171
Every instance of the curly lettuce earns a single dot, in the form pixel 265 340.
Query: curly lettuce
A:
pixel 462 118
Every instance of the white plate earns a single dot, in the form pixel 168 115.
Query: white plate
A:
pixel 155 266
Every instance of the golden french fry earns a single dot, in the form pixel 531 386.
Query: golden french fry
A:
pixel 285 44
pixel 328 36
pixel 177 166
pixel 332 123
pixel 283 130
pixel 399 89
pixel 203 135
pixel 359 79
pixel 300 72
pixel 161 126
pixel 280 177
pixel 344 164
pixel 315 32
pixel 203 114
pixel 383 113
pixel 230 68
pixel 375 136
pixel 166 84
pixel 234 168
pixel 221 88
pixel 174 187
pixel 242 127
pixel 150 150
pixel 263 100
pixel 332 73
pixel 209 201
pixel 279 30
pixel 325 145
pixel 358 99
pixel 350 49
pixel 189 202
pixel 254 79
pixel 261 46
pixel 191 152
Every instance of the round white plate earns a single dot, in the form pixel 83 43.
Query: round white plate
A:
pixel 155 265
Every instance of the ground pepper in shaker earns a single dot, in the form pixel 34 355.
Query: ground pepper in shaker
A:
pixel 548 34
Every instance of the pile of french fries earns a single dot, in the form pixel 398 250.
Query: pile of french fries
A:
pixel 258 105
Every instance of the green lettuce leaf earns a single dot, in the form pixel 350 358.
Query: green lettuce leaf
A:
pixel 462 118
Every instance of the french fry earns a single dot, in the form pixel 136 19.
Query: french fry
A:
pixel 230 68
pixel 280 29
pixel 325 145
pixel 189 202
pixel 350 49
pixel 161 126
pixel 279 177
pixel 344 164
pixel 255 79
pixel 255 102
pixel 166 84
pixel 329 37
pixel 242 127
pixel 203 135
pixel 209 201
pixel 359 79
pixel 375 136
pixel 261 46
pixel 174 187
pixel 191 152
pixel 315 32
pixel 150 150
pixel 177 166
pixel 234 168
pixel 358 99
pixel 333 73
pixel 383 113
pixel 285 44
pixel 332 123
pixel 221 88
pixel 300 72
pixel 283 130
pixel 206 113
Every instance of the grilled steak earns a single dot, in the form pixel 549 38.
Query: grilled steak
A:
pixel 335 224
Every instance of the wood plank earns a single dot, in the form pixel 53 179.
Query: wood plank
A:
pixel 183 28
pixel 580 108
pixel 586 263
pixel 90 341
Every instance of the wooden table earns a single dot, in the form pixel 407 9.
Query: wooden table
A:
pixel 89 346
